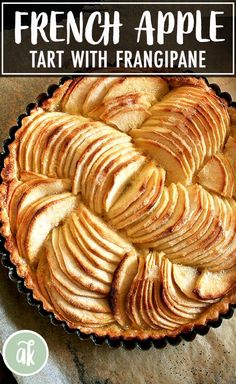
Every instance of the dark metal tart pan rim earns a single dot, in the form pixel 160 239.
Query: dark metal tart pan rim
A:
pixel 97 340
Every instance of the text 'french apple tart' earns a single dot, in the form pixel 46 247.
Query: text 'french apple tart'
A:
pixel 118 204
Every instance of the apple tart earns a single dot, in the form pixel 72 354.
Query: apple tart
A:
pixel 118 205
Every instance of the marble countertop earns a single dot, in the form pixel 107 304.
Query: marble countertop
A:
pixel 210 359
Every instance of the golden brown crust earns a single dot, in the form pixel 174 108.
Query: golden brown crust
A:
pixel 10 172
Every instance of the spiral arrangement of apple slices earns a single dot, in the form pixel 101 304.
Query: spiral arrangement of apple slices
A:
pixel 118 201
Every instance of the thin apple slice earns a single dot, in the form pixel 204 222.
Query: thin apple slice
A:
pixel 122 280
pixel 91 304
pixel 114 142
pixel 191 243
pixel 202 220
pixel 114 186
pixel 75 270
pixel 230 153
pixel 150 277
pixel 39 188
pixel 74 98
pixel 18 190
pixel 157 311
pixel 50 126
pixel 89 149
pixel 38 221
pixel 183 127
pixel 134 298
pixel 136 189
pixel 97 92
pixel 168 138
pixel 84 241
pixel 138 199
pixel 96 254
pixel 29 175
pixel 97 171
pixel 222 254
pixel 155 85
pixel 103 234
pixel 87 265
pixel 127 118
pixel 227 222
pixel 218 175
pixel 180 101
pixel 48 134
pixel 216 234
pixel 201 107
pixel 175 299
pixel 164 156
pixel 58 273
pixel 175 222
pixel 77 315
pixel 158 218
pixel 157 208
pixel 196 199
pixel 163 316
pixel 27 147
pixel 95 131
pixel 230 150
pixel 132 192
pixel 29 124
pixel 210 286
pixel 70 145
pixel 41 272
pixel 56 142
pixel 185 278
pixel 114 178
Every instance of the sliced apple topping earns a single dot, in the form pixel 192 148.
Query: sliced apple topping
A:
pixel 74 302
pixel 154 85
pixel 124 112
pixel 203 115
pixel 212 243
pixel 230 153
pixel 77 316
pixel 160 226
pixel 165 157
pixel 139 197
pixel 150 297
pixel 91 142
pixel 87 250
pixel 126 118
pixel 193 209
pixel 74 98
pixel 39 219
pixel 122 280
pixel 121 203
pixel 218 175
pixel 40 144
pixel 42 273
pixel 83 254
pixel 110 174
pixel 168 149
pixel 27 193
pixel 215 285
pixel 122 102
pixel 175 299
pixel 97 93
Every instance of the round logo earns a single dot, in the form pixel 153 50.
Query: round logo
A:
pixel 25 352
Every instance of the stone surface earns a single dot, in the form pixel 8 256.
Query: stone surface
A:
pixel 210 359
